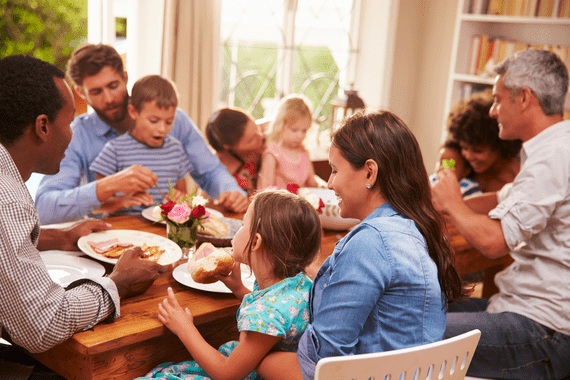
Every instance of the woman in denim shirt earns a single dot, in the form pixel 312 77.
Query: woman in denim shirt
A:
pixel 387 284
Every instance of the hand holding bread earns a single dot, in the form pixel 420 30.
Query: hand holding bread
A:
pixel 208 263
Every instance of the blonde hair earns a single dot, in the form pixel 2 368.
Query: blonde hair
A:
pixel 291 108
pixel 154 87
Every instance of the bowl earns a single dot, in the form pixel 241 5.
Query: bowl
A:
pixel 224 241
pixel 330 218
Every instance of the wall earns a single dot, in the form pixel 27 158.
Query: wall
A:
pixel 419 66
pixel 422 56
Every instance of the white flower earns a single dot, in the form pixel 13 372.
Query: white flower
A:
pixel 271 330
pixel 312 198
pixel 294 311
pixel 156 213
pixel 306 316
pixel 199 200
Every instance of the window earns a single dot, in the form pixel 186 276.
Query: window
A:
pixel 271 48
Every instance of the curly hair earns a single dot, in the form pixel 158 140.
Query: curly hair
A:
pixel 290 230
pixel 89 59
pixel 403 182
pixel 471 124
pixel 27 90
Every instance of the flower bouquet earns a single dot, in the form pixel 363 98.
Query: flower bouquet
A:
pixel 183 218
pixel 305 193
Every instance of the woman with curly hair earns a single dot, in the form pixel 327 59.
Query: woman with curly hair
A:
pixel 495 162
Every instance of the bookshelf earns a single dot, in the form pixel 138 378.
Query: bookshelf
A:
pixel 551 32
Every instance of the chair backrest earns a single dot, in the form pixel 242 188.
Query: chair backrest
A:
pixel 446 359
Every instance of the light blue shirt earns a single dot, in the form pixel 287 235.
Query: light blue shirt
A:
pixel 378 291
pixel 71 193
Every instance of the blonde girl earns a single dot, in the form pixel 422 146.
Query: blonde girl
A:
pixel 280 236
pixel 286 160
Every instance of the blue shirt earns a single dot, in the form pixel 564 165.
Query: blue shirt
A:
pixel 71 193
pixel 169 162
pixel 378 291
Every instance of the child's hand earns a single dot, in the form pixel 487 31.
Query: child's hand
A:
pixel 233 280
pixel 173 316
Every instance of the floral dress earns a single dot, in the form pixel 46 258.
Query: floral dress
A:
pixel 280 310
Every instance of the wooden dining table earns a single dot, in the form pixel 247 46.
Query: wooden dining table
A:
pixel 137 341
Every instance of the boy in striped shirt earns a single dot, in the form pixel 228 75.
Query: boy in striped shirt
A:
pixel 153 108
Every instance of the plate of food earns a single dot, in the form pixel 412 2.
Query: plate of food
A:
pixel 218 230
pixel 108 246
pixel 208 261
pixel 330 217
pixel 152 213
pixel 64 268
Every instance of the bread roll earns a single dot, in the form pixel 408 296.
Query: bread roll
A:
pixel 208 262
pixel 213 226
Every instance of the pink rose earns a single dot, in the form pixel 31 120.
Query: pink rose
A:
pixel 180 214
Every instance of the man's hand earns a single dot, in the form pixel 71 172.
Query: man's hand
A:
pixel 233 201
pixel 66 239
pixel 134 179
pixel 133 275
pixel 446 192
pixel 119 202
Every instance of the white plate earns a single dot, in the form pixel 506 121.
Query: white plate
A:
pixel 182 275
pixel 172 252
pixel 330 218
pixel 65 268
pixel 147 214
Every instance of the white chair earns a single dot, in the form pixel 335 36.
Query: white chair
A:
pixel 446 359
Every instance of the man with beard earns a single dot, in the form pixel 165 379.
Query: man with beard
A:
pixel 99 78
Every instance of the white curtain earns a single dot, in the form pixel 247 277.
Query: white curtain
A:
pixel 189 54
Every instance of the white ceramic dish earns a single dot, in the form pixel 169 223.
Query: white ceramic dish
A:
pixel 172 252
pixel 181 274
pixel 147 213
pixel 64 268
pixel 330 218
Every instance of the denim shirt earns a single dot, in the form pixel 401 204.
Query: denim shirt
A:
pixel 378 291
pixel 71 193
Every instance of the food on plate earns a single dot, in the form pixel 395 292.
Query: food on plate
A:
pixel 114 248
pixel 152 253
pixel 105 246
pixel 213 226
pixel 208 262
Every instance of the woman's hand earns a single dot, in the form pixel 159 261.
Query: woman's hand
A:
pixel 171 314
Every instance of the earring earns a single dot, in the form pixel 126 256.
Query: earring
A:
pixel 368 186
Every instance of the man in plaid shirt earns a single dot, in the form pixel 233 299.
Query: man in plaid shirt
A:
pixel 36 109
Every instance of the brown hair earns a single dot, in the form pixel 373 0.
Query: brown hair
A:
pixel 290 230
pixel 154 88
pixel 89 59
pixel 403 182
pixel 226 127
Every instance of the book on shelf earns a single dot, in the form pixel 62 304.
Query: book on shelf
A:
pixel 545 8
pixel 564 9
pixel 486 52
pixel 515 7
pixel 531 8
pixel 470 89
pixel 496 7
pixel 478 7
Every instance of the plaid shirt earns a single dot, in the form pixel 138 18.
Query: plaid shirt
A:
pixel 36 312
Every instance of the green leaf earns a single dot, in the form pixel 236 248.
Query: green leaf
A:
pixel 448 164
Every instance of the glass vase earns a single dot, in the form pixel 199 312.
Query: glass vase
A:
pixel 184 236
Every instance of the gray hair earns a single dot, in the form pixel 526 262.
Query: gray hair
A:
pixel 541 71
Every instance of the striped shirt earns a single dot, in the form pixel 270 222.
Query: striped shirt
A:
pixel 169 162
pixel 36 312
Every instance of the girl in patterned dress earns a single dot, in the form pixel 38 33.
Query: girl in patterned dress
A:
pixel 280 236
